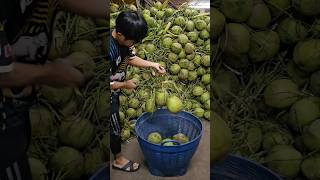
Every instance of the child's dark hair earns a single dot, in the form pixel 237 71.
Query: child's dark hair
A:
pixel 132 25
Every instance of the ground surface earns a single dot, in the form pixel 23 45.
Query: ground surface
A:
pixel 199 168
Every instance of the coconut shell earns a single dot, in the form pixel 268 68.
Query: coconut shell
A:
pixel 237 10
pixel 306 55
pixel 238 41
pixel 218 22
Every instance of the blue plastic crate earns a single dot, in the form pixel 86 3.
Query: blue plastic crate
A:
pixel 102 174
pixel 238 168
pixel 168 160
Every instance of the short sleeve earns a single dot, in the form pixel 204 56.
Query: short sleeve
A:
pixel 6 63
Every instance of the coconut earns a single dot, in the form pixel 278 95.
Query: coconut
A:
pixel 141 54
pixel 168 12
pixel 175 69
pixel 182 54
pixel 76 132
pixel 180 21
pixel 131 113
pixel 205 60
pixel 93 161
pixel 57 96
pixel 260 16
pixel 204 97
pixel 200 42
pixel 207 115
pixel 264 45
pixel 311 136
pixel 155 138
pixel 284 160
pixel 176 47
pixel 189 48
pixel 183 74
pixel 281 93
pixel 302 113
pixel 112 23
pixel 122 99
pixel 41 120
pixel 253 141
pixel 174 104
pixel 193 36
pixel 224 83
pixel 190 25
pixel 218 22
pixel 200 24
pixel 310 167
pixel 306 55
pixel 132 7
pixel 273 138
pixel 84 46
pixel 67 161
pixel 238 41
pixel 191 56
pixel 172 57
pixel 307 7
pixel 277 7
pixel 38 169
pixel 150 21
pixel 191 66
pixel 114 7
pixel 220 138
pixel 160 14
pixel 237 10
pixel 205 79
pixel 291 31
pixel 192 75
pixel 197 60
pixel 180 137
pixel 183 39
pixel 315 83
pixel 125 134
pixel 204 34
pixel 176 30
pixel 146 12
pixel 122 115
pixel 85 28
pixel 153 11
pixel 199 112
pixel 167 42
pixel 84 63
pixel 298 76
pixel 150 105
pixel 134 103
pixel 151 48
pixel 161 98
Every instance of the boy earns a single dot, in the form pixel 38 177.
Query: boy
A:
pixel 130 29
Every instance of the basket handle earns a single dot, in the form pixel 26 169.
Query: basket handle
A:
pixel 174 141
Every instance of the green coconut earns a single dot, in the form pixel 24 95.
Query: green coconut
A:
pixel 237 10
pixel 146 11
pixel 298 76
pixel 302 113
pixel 260 16
pixel 72 107
pixel 161 98
pixel 191 66
pixel 193 36
pixel 224 83
pixel 176 47
pixel 114 7
pixel 183 39
pixel 57 96
pixel 134 103
pixel 180 21
pixel 278 7
pixel 264 45
pixel 192 75
pixel 68 161
pixel 158 5
pixel 84 63
pixel 197 60
pixel 205 60
pixel 306 55
pixel 125 134
pixel 311 135
pixel 220 138
pixel 284 160
pixel 191 56
pixel 200 42
pixel 205 79
pixel 84 46
pixel 41 120
pixel 281 93
pixel 132 7
pixel 93 160
pixel 253 141
pixel 307 7
pixel 199 112
pixel 85 28
pixel 189 48
pixel 160 14
pixel 190 25
pixel 238 41
pixel 182 54
pixel 273 138
pixel 315 83
pixel 218 22
pixel 291 31
pixel 174 104
pixel 122 99
pixel 207 115
pixel 76 132
pixel 112 23
pixel 176 30
pixel 167 42
pixel 38 169
pixel 188 12
pixel 122 115
pixel 153 11
pixel 172 57
pixel 131 112
pixel 204 34
pixel 168 12
pixel 183 74
pixel 204 97
pixel 181 138
pixel 155 138
pixel 200 24
pixel 150 105
pixel 310 167
pixel 151 48
pixel 175 69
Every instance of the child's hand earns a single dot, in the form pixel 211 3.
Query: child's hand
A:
pixel 130 84
pixel 159 68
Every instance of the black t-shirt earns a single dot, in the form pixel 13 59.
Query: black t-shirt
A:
pixel 26 26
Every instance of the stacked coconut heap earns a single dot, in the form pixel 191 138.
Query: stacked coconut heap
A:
pixel 70 125
pixel 178 39
pixel 266 84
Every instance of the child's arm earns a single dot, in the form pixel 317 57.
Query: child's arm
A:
pixel 123 85
pixel 138 62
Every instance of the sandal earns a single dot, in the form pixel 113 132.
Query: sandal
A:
pixel 124 168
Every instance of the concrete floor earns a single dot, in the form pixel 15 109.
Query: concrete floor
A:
pixel 199 167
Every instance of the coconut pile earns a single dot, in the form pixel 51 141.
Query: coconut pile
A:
pixel 70 131
pixel 266 86
pixel 179 39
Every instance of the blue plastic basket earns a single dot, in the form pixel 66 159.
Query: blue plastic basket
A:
pixel 168 160
pixel 238 168
pixel 102 174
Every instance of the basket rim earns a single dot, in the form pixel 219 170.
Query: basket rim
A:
pixel 198 137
